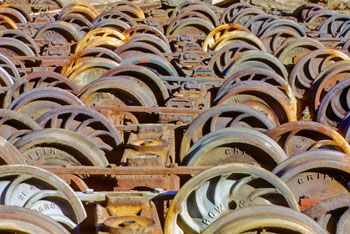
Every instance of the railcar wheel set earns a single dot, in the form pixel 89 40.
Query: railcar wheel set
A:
pixel 186 120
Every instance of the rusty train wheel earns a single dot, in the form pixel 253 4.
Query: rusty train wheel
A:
pixel 110 37
pixel 37 101
pixel 344 127
pixel 273 34
pixel 333 25
pixel 149 39
pixel 256 23
pixel 328 78
pixel 192 26
pixel 293 50
pixel 14 47
pixel 268 219
pixel 87 12
pixel 238 36
pixel 114 15
pixel 310 66
pixel 9 153
pixel 60 147
pixel 334 106
pixel 19 35
pixel 62 33
pixel 7 23
pixel 85 54
pixel 227 15
pixel 242 16
pixel 235 145
pixel 222 57
pixel 319 16
pixel 38 79
pixel 298 137
pixel 89 69
pixel 332 213
pixel 118 92
pixel 220 31
pixel 14 125
pixel 144 29
pixel 256 58
pixel 130 9
pixel 264 97
pixel 302 12
pixel 255 74
pixel 114 24
pixel 81 24
pixel 155 63
pixel 223 116
pixel 86 122
pixel 24 13
pixel 310 172
pixel 14 14
pixel 146 76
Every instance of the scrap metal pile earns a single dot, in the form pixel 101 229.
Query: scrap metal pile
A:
pixel 195 119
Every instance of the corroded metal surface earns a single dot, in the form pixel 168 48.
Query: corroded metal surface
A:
pixel 301 136
pixel 324 213
pixel 127 105
pixel 265 219
pixel 40 190
pixel 212 193
pixel 234 145
pixel 315 175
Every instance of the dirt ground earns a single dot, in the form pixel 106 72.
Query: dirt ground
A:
pixel 284 5
pixel 341 6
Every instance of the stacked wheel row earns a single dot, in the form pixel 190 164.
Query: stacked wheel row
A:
pixel 260 98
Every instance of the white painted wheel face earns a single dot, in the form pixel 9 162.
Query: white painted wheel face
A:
pixel 40 190
pixel 216 191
